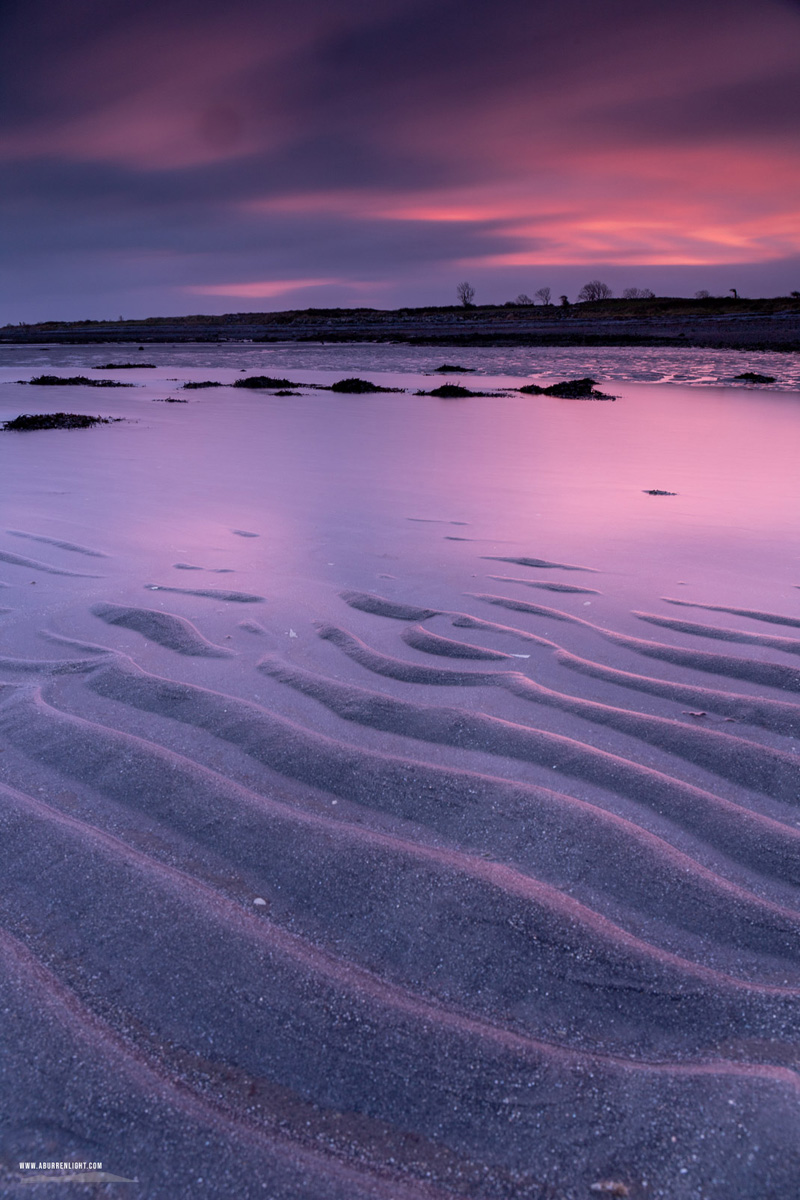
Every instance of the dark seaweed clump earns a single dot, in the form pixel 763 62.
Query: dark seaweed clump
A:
pixel 452 368
pixel 202 383
pixel 754 377
pixel 122 366
pixel 55 421
pixel 360 385
pixel 264 381
pixel 287 392
pixel 74 380
pixel 450 391
pixel 568 389
pixel 658 492
pixel 169 400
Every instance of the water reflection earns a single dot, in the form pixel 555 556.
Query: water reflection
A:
pixel 329 482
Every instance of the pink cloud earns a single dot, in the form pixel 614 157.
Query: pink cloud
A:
pixel 265 288
pixel 692 205
pixel 258 290
pixel 399 140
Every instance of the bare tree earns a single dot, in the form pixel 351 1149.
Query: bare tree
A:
pixel 466 294
pixel 638 294
pixel 523 298
pixel 594 290
pixel 703 294
pixel 543 295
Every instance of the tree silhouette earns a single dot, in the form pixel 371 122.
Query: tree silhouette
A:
pixel 466 294
pixel 543 295
pixel 594 290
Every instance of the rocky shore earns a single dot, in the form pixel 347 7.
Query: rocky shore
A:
pixel 766 324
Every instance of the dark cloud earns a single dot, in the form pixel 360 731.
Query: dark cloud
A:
pixel 185 142
pixel 758 108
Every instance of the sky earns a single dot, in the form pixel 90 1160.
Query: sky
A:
pixel 161 157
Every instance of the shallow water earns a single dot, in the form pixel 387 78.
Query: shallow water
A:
pixel 330 482
pixel 331 824
pixel 648 364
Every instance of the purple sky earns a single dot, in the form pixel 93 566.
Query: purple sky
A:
pixel 195 156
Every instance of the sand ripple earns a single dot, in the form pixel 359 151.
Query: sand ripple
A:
pixel 396 915
pixel 168 630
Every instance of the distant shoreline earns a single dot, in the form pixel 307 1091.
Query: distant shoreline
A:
pixel 714 323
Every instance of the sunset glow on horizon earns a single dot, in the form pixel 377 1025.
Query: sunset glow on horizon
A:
pixel 372 153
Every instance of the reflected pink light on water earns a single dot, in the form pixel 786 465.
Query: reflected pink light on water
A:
pixel 329 483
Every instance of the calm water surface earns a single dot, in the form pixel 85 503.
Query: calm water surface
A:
pixel 355 491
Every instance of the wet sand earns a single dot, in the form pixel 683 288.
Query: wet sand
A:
pixel 406 885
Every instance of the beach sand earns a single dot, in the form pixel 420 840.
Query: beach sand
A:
pixel 396 800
